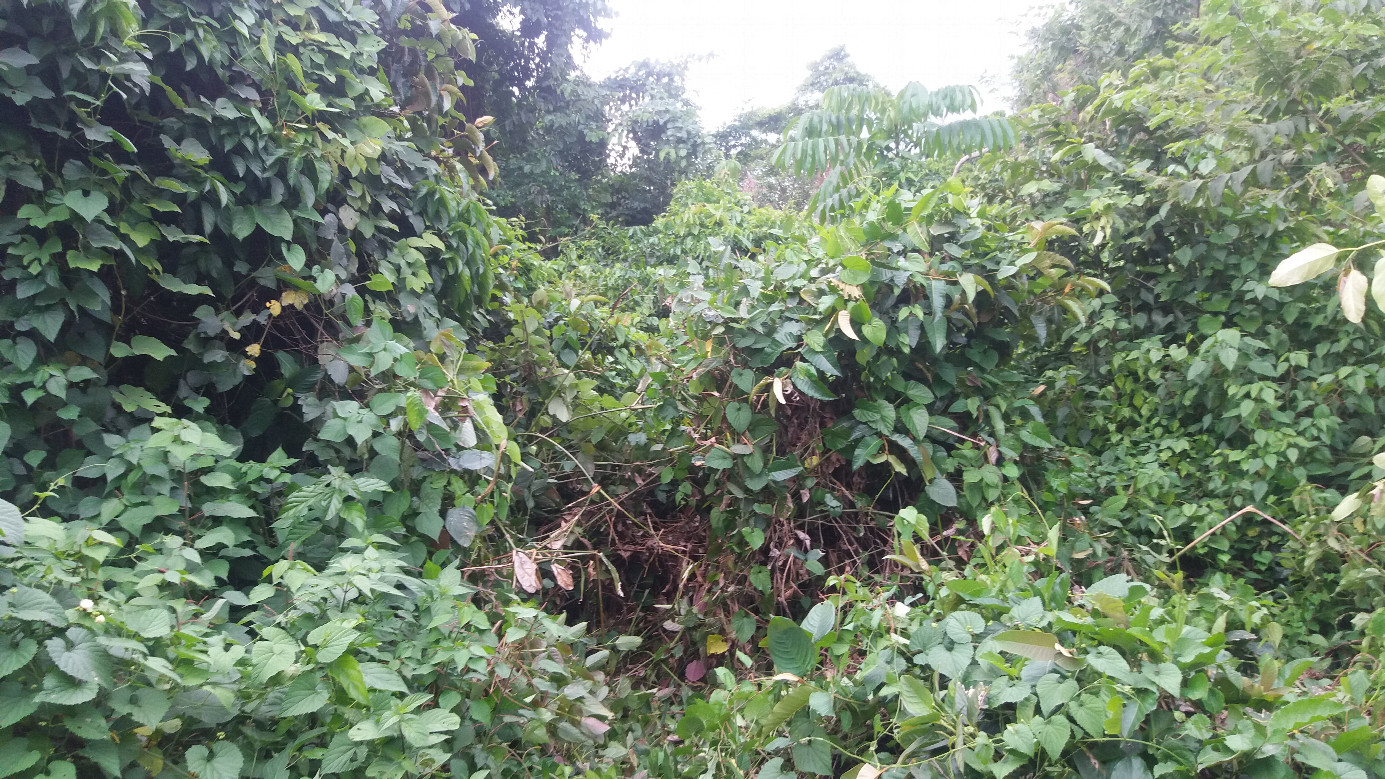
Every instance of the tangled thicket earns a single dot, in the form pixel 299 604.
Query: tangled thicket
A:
pixel 1040 463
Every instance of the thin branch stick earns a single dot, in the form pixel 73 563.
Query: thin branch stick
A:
pixel 1225 522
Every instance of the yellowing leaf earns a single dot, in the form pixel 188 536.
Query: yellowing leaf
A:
pixel 779 390
pixel 1304 264
pixel 1351 288
pixel 274 308
pixel 253 350
pixel 844 322
pixel 294 297
pixel 716 644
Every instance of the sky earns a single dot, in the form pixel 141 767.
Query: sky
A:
pixel 754 53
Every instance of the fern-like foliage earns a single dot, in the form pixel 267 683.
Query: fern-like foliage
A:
pixel 857 129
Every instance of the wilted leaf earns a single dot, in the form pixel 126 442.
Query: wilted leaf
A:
pixel 1304 264
pixel 844 322
pixel 1351 288
pixel 562 576
pixel 526 571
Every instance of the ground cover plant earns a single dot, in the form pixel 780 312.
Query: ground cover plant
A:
pixel 1027 445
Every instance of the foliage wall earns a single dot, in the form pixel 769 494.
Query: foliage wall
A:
pixel 315 466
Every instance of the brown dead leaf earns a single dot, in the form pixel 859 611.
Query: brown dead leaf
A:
pixel 526 571
pixel 562 576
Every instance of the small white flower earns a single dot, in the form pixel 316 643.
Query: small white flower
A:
pixel 86 604
pixel 100 617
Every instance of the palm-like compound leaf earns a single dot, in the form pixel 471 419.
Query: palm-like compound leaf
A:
pixel 858 128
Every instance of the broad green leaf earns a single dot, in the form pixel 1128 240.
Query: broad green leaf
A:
pixel 1351 289
pixel 1295 715
pixel 813 757
pixel 821 620
pixel 1054 734
pixel 428 727
pixel 916 697
pixel 87 204
pixel 1054 691
pixel 1165 675
pixel 878 414
pixel 31 605
pixel 346 671
pixel 791 647
pixel 16 756
pixel 11 521
pixel 14 656
pixel 275 220
pixel 787 706
pixel 875 331
pixel 941 491
pixel 304 695
pixel 718 458
pixel 805 378
pixel 1303 265
pixel 951 662
pixel 739 415
pixel 462 524
pixel 1032 644
pixel 222 761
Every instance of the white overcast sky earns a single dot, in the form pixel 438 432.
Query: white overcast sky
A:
pixel 752 53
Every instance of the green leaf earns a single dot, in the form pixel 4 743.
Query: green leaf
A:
pixel 875 331
pixel 63 690
pixel 275 220
pixel 429 727
pixel 876 413
pixel 1032 644
pixel 1166 675
pixel 941 491
pixel 83 659
pixel 33 605
pixel 805 378
pixel 786 708
pixel 304 695
pixel 821 620
pixel 1131 767
pixel 951 662
pixel 719 458
pixel 15 656
pixel 15 57
pixel 739 415
pixel 791 647
pixel 1054 735
pixel 916 697
pixel 346 671
pixel 1054 691
pixel 223 761
pixel 11 521
pixel 1303 265
pixel 16 756
pixel 1295 715
pixel 462 525
pixel 378 676
pixel 142 345
pixel 87 204
pixel 813 757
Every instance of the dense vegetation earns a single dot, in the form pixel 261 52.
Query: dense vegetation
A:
pixel 865 437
